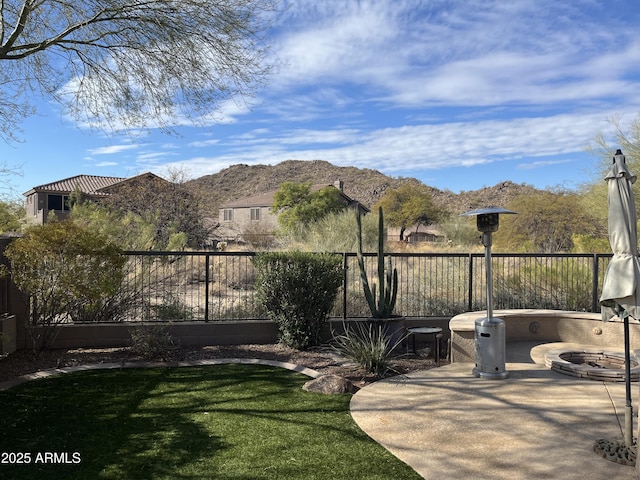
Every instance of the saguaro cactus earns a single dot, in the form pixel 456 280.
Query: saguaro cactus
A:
pixel 381 297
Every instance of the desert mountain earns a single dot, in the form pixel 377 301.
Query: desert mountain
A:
pixel 363 184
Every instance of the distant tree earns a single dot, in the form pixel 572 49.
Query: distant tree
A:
pixel 546 223
pixel 460 231
pixel 409 205
pixel 297 206
pixel 130 63
pixel 12 214
pixel 167 204
pixel 128 230
pixel 594 193
pixel 590 244
pixel 626 138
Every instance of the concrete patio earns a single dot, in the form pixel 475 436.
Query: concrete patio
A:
pixel 536 424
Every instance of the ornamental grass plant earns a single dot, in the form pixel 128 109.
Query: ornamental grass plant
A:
pixel 369 344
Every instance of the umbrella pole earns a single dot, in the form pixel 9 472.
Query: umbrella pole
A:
pixel 628 409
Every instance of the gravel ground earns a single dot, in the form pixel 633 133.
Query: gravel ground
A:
pixel 324 360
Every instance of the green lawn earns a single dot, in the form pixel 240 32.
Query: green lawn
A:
pixel 227 422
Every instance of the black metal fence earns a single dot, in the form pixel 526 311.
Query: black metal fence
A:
pixel 217 286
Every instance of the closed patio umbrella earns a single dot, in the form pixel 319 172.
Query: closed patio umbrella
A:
pixel 620 290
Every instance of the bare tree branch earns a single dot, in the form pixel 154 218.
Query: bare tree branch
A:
pixel 117 64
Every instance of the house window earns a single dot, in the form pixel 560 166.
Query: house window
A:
pixel 58 202
pixel 255 214
pixel 228 215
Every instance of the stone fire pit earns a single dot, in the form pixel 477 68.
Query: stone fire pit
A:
pixel 600 365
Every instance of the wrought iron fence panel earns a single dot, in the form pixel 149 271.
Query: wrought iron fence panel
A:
pixel 432 285
pixel 218 286
pixel 191 286
pixel 561 282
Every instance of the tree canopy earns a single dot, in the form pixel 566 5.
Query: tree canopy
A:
pixel 12 214
pixel 407 206
pixel 546 222
pixel 162 212
pixel 297 206
pixel 130 63
pixel 603 146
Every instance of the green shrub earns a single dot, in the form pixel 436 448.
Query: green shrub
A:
pixel 64 268
pixel 589 244
pixel 369 344
pixel 298 291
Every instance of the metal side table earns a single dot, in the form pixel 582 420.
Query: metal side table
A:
pixel 435 331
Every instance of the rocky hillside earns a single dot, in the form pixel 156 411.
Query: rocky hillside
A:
pixel 365 185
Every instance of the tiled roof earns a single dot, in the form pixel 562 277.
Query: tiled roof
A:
pixel 88 184
pixel 260 200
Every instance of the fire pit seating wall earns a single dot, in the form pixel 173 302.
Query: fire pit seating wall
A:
pixel 543 326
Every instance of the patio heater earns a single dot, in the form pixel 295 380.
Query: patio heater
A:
pixel 490 339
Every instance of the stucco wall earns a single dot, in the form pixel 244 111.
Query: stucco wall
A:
pixel 543 326
pixel 102 335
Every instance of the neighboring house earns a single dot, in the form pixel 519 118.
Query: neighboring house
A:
pixel 54 197
pixel 252 214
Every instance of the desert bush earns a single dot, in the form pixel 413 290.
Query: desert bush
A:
pixel 589 244
pixel 63 268
pixel 298 291
pixel 116 308
pixel 151 341
pixel 335 232
pixel 426 306
pixel 561 285
pixel 259 236
pixel 177 241
pixel 171 308
pixel 235 272
pixel 240 308
pixel 369 344
pixel 460 231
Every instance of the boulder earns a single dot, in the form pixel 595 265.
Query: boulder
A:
pixel 330 384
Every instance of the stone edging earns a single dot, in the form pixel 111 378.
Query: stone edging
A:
pixel 555 361
pixel 193 363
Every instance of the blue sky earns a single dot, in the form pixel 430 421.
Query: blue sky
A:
pixel 460 94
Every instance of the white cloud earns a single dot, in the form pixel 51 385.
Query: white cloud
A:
pixel 408 86
pixel 154 156
pixel 458 53
pixel 540 164
pixel 204 143
pixel 415 148
pixel 112 149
